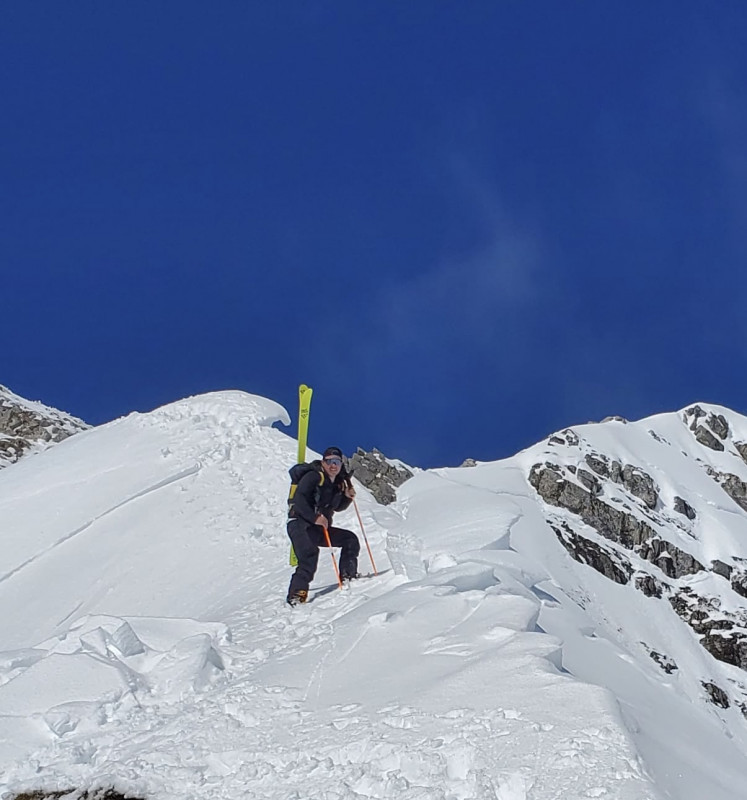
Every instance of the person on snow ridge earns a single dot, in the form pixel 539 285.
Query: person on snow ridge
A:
pixel 320 492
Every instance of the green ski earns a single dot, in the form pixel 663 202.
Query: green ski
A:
pixel 304 407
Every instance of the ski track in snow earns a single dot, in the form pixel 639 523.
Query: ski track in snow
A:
pixel 67 537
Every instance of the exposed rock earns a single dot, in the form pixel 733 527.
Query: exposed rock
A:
pixel 735 487
pixel 683 507
pixel 713 425
pixel 600 464
pixel 468 462
pixel 648 585
pixel 742 450
pixel 567 437
pixel 379 475
pixel 615 418
pixel 665 662
pixel 732 484
pixel 655 435
pixel 717 695
pixel 718 424
pixel 731 649
pixel 721 631
pixel 738 579
pixel 611 523
pixel 27 427
pixel 640 484
pixel 706 438
pixel 611 564
pixel 591 482
pixel 722 569
pixel 696 412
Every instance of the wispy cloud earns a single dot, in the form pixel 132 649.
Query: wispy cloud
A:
pixel 480 297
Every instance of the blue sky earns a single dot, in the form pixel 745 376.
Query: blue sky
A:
pixel 466 225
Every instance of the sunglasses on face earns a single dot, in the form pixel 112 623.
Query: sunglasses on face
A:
pixel 335 462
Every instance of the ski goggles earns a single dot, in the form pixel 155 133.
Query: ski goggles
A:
pixel 335 462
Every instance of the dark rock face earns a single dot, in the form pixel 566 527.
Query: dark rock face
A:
pixel 732 484
pixel 683 507
pixel 721 632
pixel 738 579
pixel 591 482
pixel 707 426
pixel 600 465
pixel 640 484
pixel 667 664
pixel 378 475
pixel 610 563
pixel 634 479
pixel 717 695
pixel 565 437
pixel 27 427
pixel 722 569
pixel 705 437
pixel 620 527
pixel 649 585
pixel 735 488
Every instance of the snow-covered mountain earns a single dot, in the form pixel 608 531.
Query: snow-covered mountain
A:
pixel 567 623
pixel 28 427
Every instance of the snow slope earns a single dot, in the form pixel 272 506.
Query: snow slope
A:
pixel 149 648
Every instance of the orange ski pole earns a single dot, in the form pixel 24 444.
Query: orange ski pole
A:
pixel 334 560
pixel 365 538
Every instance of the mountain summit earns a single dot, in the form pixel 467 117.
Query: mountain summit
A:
pixel 566 623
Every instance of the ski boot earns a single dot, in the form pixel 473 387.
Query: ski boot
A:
pixel 298 597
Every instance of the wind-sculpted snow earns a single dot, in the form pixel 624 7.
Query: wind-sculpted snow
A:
pixel 150 649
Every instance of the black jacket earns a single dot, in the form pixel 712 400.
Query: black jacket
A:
pixel 316 494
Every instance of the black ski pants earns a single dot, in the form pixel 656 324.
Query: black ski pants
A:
pixel 307 539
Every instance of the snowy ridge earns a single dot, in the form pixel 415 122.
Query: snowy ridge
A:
pixel 150 648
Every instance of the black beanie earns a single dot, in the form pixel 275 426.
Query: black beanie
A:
pixel 333 451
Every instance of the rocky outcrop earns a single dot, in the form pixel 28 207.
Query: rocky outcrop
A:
pixel 720 630
pixel 665 662
pixel 610 563
pixel 378 474
pixel 735 488
pixel 707 427
pixel 634 479
pixel 621 527
pixel 716 695
pixel 732 484
pixel 683 507
pixel 27 427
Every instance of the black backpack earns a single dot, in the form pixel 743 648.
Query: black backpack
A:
pixel 296 473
